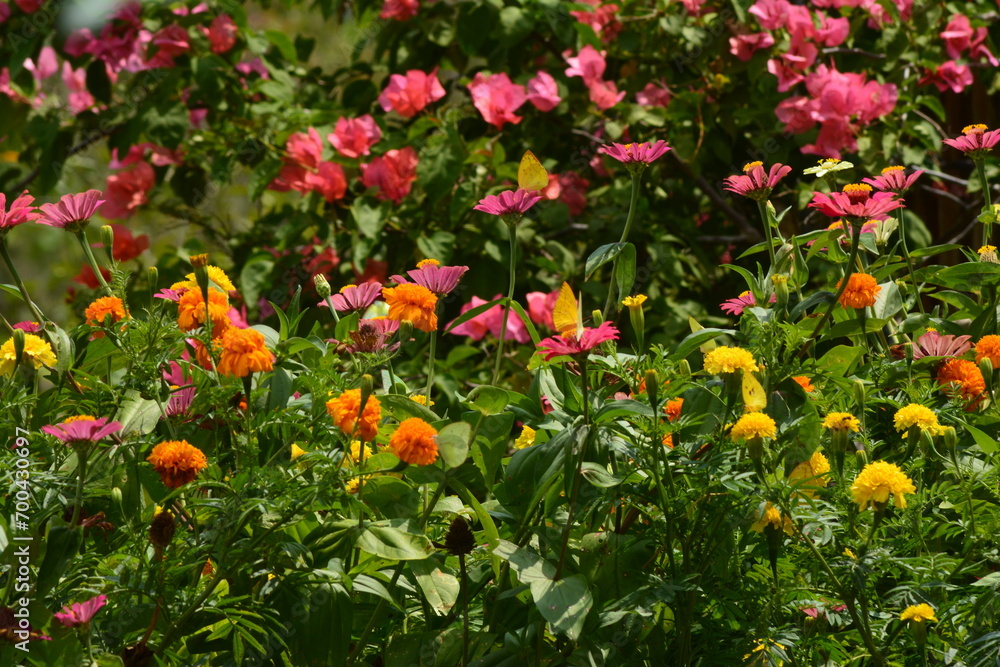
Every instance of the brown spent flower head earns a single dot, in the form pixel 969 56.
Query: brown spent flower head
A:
pixel 161 530
pixel 861 291
pixel 963 378
pixel 344 411
pixel 459 541
pixel 244 351
pixel 414 442
pixel 177 462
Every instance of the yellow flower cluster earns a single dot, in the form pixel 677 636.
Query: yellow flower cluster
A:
pixel 772 518
pixel 811 475
pixel 36 350
pixel 918 415
pixel 729 360
pixel 754 425
pixel 918 613
pixel 877 480
pixel 841 421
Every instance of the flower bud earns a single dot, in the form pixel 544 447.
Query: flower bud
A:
pixel 781 289
pixel 652 380
pixel 684 369
pixel 18 346
pixel 152 277
pixel 405 331
pixel 950 437
pixel 108 239
pixel 322 286
pixel 858 389
pixel 926 442
pixel 598 318
pixel 116 495
pixel 200 264
pixel 986 368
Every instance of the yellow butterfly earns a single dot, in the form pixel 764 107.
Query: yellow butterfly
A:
pixel 567 315
pixel 754 397
pixel 531 175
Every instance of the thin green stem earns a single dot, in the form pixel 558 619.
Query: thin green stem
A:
pixel 909 262
pixel 632 205
pixel 81 455
pixel 512 233
pixel 579 470
pixel 766 220
pixel 985 184
pixel 81 236
pixel 20 284
pixel 430 369
pixel 855 242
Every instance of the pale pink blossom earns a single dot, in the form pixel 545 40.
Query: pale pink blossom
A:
pixel 80 613
pixel 21 210
pixel 80 99
pixel 540 307
pixel 354 297
pixel 83 430
pixel 72 210
pixel 392 173
pixel 833 31
pixel 653 95
pixel 543 92
pixel 408 94
pixel 643 153
pixel 490 322
pixel 354 137
pixel 47 65
pixel 604 94
pixel 439 279
pixel 589 64
pixel 744 46
pixel 933 344
pixel 512 203
pixel 497 98
pixel 770 13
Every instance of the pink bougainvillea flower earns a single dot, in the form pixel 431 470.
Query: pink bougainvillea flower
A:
pixel 72 211
pixel 393 173
pixel 222 34
pixel 170 42
pixel 737 305
pixel 771 14
pixel 744 46
pixel 4 12
pixel 653 95
pixel 557 346
pixel 604 94
pixel 511 205
pixel 80 613
pixel 407 95
pixel 933 344
pixel 642 153
pixel 497 98
pixel 439 279
pixel 126 246
pixel 857 202
pixel 126 191
pixel 589 64
pixel 601 19
pixel 959 36
pixel 754 182
pixel 400 10
pixel 47 65
pixel 832 31
pixel 790 67
pixel 305 148
pixel 80 430
pixel 976 141
pixel 75 80
pixel 329 181
pixel 354 297
pixel 353 137
pixel 21 211
pixel 543 92
pixel 894 179
pixel 541 306
pixel 570 188
pixel 948 75
pixel 490 322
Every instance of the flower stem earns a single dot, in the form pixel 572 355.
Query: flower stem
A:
pixel 81 236
pixel 766 219
pixel 632 205
pixel 909 263
pixel 512 232
pixel 430 368
pixel 81 455
pixel 20 284
pixel 579 470
pixel 985 184
pixel 855 242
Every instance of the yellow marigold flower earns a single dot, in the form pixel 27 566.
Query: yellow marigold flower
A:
pixel 244 351
pixel 36 350
pixel 414 442
pixel 841 421
pixel 915 414
pixel 673 408
pixel 353 485
pixel 525 439
pixel 877 480
pixel 918 613
pixel 344 411
pixel 805 383
pixel 754 425
pixel 79 418
pixel 988 347
pixel 412 302
pixel 421 399
pixel 297 451
pixel 191 311
pixel 177 462
pixel 729 360
pixel 771 517
pixel 962 377
pixel 633 302
pixel 215 274
pixel 860 292
pixel 354 455
pixel 425 262
pixel 103 308
pixel 811 475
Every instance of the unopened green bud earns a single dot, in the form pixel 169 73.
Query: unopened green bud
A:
pixel 108 239
pixel 405 331
pixel 986 368
pixel 858 389
pixel 152 277
pixel 18 346
pixel 684 368
pixel 780 289
pixel 367 389
pixel 322 286
pixel 597 317
pixel 926 442
pixel 652 380
pixel 116 495
pixel 950 437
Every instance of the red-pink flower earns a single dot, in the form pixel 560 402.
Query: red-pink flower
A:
pixel 353 137
pixel 439 279
pixel 373 335
pixel 27 327
pixel 959 36
pixel 894 179
pixel 222 34
pixel 771 14
pixel 354 297
pixel 832 31
pixel 541 306
pixel 601 19
pixel 509 203
pixel 4 12
pixel 71 211
pixel 976 141
pixel 490 322
pixel 543 92
pixel 75 80
pixel 400 10
pixel 856 201
pixel 737 305
pixel 393 173
pixel 642 153
pixel 589 64
pixel 570 345
pixel 653 95
pixel 573 191
pixel 21 211
pixel 305 148
pixel 407 95
pixel 80 613
pixel 604 94
pixel 171 41
pixel 83 430
pixel 126 191
pixel 48 64
pixel 744 46
pixel 329 181
pixel 181 390
pixel 497 98
pixel 933 344
pixel 754 183
pixel 29 6
pixel 948 75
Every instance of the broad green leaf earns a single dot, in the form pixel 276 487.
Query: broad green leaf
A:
pixel 490 400
pixel 564 603
pixel 453 443
pixel 137 414
pixel 602 256
pixel 403 407
pixel 440 588
pixel 385 539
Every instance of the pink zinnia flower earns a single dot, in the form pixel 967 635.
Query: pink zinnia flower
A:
pixel 439 279
pixel 27 327
pixel 393 173
pixel 497 98
pixel 182 390
pixel 976 141
pixel 353 137
pixel 856 201
pixel 737 305
pixel 75 431
pixel 543 92
pixel 72 212
pixel 80 613
pixel 373 335
pixel 643 153
pixel 557 346
pixel 126 191
pixel 400 10
pixel 754 183
pixel 509 204
pixel 222 34
pixel 894 179
pixel 407 95
pixel 490 322
pixel 354 297
pixel 933 344
pixel 21 211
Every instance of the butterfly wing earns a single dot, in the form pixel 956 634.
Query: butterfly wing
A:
pixel 566 314
pixel 754 397
pixel 531 175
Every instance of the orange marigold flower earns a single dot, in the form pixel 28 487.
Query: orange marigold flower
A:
pixel 964 378
pixel 988 347
pixel 805 383
pixel 344 411
pixel 177 462
pixel 673 408
pixel 860 292
pixel 668 440
pixel 191 311
pixel 98 312
pixel 412 302
pixel 243 352
pixel 414 442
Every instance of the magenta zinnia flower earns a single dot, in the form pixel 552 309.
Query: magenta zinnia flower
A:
pixel 509 204
pixel 72 212
pixel 894 179
pixel 933 344
pixel 373 335
pixel 975 141
pixel 182 390
pixel 755 184
pixel 736 305
pixel 643 153
pixel 856 202
pixel 439 279
pixel 27 327
pixel 21 211
pixel 557 346
pixel 80 613
pixel 82 429
pixel 354 297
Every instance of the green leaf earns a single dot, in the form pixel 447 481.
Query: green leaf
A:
pixel 472 312
pixel 564 603
pixel 13 291
pixel 345 326
pixel 966 276
pixel 528 324
pixel 840 360
pixel 386 539
pixel 280 389
pixel 283 43
pixel 695 340
pixel 624 408
pixel 598 475
pixel 369 219
pixel 490 400
pixel 453 443
pixel 528 565
pixel 491 442
pixel 625 271
pixel 888 302
pixel 602 256
pixel 440 588
pixel 985 442
pixel 403 407
pixel 489 527
pixel 61 546
pixel 137 414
